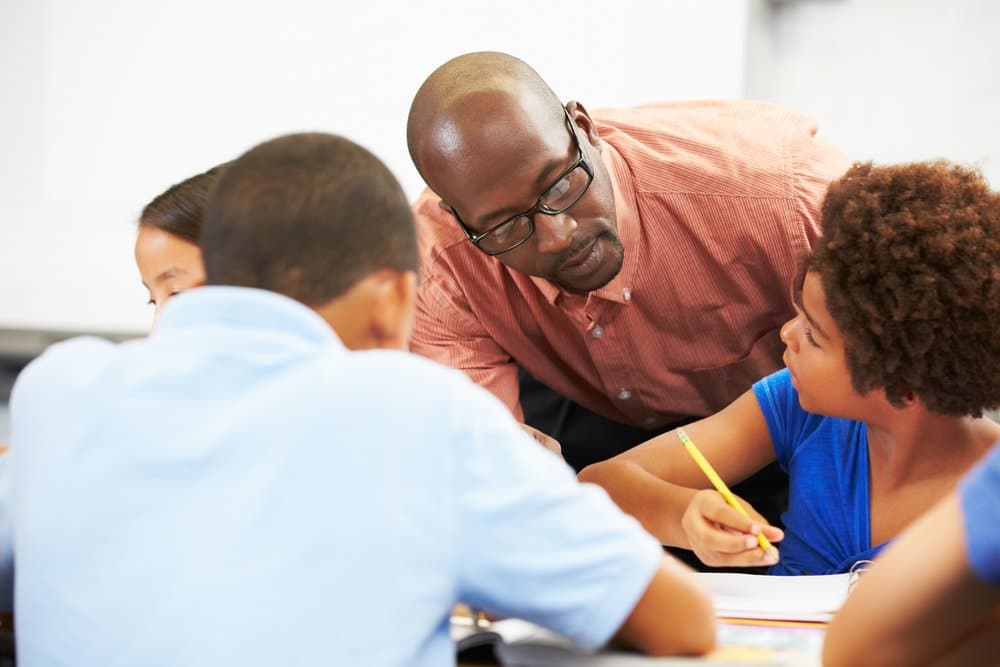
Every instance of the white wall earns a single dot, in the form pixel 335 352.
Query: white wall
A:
pixel 106 103
pixel 889 80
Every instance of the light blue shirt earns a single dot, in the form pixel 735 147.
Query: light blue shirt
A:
pixel 979 492
pixel 240 489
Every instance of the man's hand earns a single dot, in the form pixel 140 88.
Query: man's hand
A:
pixel 545 441
pixel 722 537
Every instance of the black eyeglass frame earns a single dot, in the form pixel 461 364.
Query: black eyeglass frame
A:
pixel 539 207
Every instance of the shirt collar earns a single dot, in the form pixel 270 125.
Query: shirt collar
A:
pixel 244 307
pixel 627 221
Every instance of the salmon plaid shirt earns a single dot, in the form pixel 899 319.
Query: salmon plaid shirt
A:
pixel 715 202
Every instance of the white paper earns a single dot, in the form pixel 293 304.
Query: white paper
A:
pixel 803 598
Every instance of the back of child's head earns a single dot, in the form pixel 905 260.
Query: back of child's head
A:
pixel 306 216
pixel 910 264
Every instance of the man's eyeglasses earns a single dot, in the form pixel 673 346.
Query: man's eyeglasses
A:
pixel 560 197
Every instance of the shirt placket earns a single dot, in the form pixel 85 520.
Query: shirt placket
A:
pixel 608 345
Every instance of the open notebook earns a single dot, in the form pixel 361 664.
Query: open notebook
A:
pixel 484 644
pixel 769 600
pixel 758 596
pixel 515 643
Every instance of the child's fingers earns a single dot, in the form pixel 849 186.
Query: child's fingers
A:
pixel 714 538
pixel 760 524
pixel 768 557
pixel 721 536
pixel 773 533
pixel 714 507
pixel 756 557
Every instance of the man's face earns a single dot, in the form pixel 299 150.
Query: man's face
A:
pixel 508 162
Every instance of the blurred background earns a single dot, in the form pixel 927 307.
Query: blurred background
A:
pixel 105 103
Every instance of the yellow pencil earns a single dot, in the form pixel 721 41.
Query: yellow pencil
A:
pixel 717 482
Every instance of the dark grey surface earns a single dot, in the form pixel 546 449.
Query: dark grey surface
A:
pixel 6 380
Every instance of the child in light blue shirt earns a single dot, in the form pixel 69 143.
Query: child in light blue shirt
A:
pixel 270 479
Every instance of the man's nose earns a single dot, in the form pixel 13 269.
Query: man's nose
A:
pixel 554 232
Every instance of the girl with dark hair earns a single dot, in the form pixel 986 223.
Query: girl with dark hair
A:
pixel 166 248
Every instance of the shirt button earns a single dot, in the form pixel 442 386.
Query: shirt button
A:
pixel 650 420
pixel 624 394
pixel 626 294
pixel 597 331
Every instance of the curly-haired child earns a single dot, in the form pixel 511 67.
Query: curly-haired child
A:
pixel 891 361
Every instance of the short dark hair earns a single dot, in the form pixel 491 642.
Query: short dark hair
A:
pixel 180 209
pixel 910 263
pixel 307 216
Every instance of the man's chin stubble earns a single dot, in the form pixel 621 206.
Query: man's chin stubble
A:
pixel 615 245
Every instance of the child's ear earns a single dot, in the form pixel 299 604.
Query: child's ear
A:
pixel 375 312
pixel 393 309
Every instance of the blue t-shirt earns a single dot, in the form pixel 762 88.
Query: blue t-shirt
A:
pixel 980 496
pixel 241 489
pixel 827 522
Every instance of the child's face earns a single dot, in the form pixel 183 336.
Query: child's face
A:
pixel 815 356
pixel 167 264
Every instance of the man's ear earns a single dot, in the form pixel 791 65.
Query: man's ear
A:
pixel 581 118
pixel 447 208
pixel 393 309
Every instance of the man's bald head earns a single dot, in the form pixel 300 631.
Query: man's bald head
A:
pixel 497 146
pixel 461 97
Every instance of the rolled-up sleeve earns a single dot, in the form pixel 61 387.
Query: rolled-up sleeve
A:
pixel 980 496
pixel 446 330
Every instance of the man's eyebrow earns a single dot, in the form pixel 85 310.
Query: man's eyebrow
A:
pixel 813 322
pixel 540 181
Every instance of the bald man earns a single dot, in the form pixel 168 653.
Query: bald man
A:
pixel 638 262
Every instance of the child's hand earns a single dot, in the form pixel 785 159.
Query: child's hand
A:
pixel 722 537
pixel 546 441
